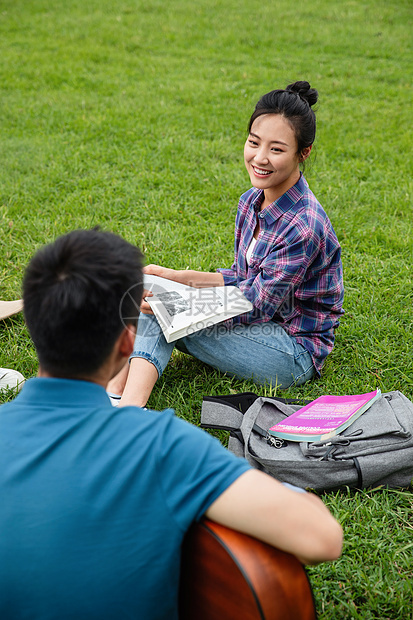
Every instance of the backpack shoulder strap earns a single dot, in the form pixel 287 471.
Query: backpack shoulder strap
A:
pixel 225 412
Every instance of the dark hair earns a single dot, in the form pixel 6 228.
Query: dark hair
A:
pixel 294 103
pixel 78 293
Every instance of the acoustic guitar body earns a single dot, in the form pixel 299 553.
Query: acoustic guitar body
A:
pixel 226 575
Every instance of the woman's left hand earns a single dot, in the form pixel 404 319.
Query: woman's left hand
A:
pixel 145 307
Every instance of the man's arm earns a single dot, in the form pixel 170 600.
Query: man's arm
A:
pixel 262 507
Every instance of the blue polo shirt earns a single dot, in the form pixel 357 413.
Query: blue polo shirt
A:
pixel 95 502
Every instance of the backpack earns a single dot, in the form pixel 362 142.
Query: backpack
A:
pixel 376 449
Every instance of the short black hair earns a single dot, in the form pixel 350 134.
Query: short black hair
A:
pixel 79 293
pixel 295 104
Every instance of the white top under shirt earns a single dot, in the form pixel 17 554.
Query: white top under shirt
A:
pixel 250 250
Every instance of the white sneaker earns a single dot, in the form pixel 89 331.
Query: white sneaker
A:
pixel 114 399
pixel 10 379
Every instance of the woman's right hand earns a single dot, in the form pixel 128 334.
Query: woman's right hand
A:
pixel 189 277
pixel 162 272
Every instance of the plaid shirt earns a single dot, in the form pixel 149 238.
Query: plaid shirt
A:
pixel 295 273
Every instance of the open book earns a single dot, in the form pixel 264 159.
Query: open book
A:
pixel 183 310
pixel 324 417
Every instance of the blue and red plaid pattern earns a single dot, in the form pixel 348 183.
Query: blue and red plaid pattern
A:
pixel 295 275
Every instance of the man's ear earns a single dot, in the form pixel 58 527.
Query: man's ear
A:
pixel 305 153
pixel 126 340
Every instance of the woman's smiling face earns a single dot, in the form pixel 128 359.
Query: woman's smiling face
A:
pixel 271 157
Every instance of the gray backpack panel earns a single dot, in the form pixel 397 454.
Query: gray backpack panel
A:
pixel 377 449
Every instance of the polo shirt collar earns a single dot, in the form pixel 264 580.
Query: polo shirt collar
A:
pixel 63 392
pixel 284 203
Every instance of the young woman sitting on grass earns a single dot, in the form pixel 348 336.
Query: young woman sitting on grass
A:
pixel 287 263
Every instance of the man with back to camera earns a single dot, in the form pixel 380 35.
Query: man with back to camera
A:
pixel 97 499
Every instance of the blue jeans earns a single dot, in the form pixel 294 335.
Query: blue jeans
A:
pixel 263 352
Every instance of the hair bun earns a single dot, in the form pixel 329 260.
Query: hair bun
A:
pixel 304 90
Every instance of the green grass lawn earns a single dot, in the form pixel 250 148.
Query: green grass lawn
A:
pixel 132 115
